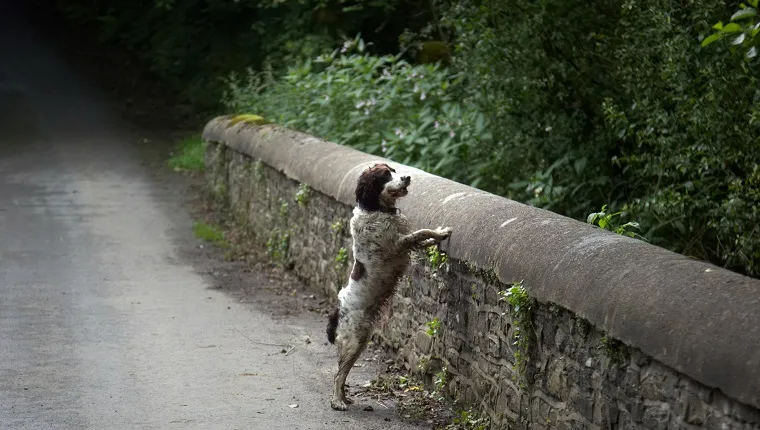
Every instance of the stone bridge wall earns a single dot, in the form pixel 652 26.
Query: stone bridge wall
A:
pixel 619 334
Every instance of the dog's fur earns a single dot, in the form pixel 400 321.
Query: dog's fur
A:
pixel 382 241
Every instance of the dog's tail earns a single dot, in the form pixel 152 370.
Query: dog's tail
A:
pixel 332 325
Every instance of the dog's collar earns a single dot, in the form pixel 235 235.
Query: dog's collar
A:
pixel 391 211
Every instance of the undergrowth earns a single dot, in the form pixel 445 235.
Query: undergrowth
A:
pixel 189 155
pixel 210 233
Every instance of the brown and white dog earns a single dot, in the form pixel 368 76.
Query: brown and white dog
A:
pixel 382 241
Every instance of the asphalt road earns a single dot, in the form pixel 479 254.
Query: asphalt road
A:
pixel 103 323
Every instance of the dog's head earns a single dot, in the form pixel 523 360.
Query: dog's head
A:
pixel 378 188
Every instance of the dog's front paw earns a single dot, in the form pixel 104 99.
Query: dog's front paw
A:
pixel 338 405
pixel 443 232
pixel 428 242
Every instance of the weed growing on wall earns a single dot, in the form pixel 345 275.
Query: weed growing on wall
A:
pixel 249 119
pixel 469 420
pixel 440 380
pixel 303 194
pixel 278 245
pixel 608 221
pixel 341 259
pixel 337 226
pixel 284 209
pixel 521 307
pixel 436 258
pixel 433 327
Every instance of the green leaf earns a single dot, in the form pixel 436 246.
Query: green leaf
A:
pixel 480 123
pixel 732 28
pixel 353 8
pixel 712 38
pixel 580 164
pixel 744 13
pixel 718 26
pixel 753 3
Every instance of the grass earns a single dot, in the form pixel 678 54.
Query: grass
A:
pixel 189 156
pixel 210 233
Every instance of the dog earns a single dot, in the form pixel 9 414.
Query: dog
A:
pixel 382 242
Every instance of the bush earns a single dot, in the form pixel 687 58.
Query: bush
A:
pixel 596 102
pixel 378 104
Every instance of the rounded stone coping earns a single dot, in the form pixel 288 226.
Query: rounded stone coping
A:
pixel 697 318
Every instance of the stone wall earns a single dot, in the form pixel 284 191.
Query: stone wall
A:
pixel 540 366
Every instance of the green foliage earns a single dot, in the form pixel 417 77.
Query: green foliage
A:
pixel 522 326
pixel 190 155
pixel 687 132
pixel 741 29
pixel 250 119
pixel 341 259
pixel 433 327
pixel 378 104
pixel 469 420
pixel 440 380
pixel 337 226
pixel 303 194
pixel 436 257
pixel 210 233
pixel 606 221
pixel 278 245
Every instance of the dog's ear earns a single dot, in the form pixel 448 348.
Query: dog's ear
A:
pixel 368 189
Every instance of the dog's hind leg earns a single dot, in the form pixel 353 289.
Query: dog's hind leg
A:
pixel 350 347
